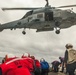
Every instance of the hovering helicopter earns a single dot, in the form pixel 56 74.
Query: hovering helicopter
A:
pixel 43 19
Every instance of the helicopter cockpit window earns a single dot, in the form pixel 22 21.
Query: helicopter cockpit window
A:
pixel 27 14
pixel 40 16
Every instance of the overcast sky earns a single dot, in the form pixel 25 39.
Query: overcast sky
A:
pixel 46 45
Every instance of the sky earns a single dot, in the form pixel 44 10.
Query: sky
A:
pixel 47 45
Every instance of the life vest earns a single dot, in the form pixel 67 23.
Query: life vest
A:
pixel 44 65
pixel 71 56
pixel 18 66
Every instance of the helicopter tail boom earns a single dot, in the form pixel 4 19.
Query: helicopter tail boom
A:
pixel 1 29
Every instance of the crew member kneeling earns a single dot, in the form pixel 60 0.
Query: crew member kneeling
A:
pixel 17 66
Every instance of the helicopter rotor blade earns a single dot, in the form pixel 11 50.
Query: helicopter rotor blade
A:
pixel 66 6
pixel 19 9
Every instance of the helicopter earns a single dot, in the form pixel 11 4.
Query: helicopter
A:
pixel 43 19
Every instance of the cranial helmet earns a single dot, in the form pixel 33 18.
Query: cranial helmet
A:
pixel 26 55
pixel 68 45
pixel 33 57
pixel 9 55
pixel 42 59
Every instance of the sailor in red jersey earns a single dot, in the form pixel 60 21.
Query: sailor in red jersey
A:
pixel 31 66
pixel 8 58
pixel 37 66
pixel 17 66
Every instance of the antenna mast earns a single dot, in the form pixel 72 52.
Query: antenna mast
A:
pixel 47 3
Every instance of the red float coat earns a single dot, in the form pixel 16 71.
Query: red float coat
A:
pixel 37 63
pixel 18 66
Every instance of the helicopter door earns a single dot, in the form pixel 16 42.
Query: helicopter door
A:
pixel 48 16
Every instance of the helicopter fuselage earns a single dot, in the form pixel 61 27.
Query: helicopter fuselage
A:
pixel 43 19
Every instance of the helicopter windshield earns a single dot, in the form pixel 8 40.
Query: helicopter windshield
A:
pixel 27 14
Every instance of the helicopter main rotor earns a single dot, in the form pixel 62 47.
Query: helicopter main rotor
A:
pixel 19 9
pixel 47 5
pixel 38 7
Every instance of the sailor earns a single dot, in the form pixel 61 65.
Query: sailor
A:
pixel 31 66
pixel 37 66
pixel 70 59
pixel 8 57
pixel 55 65
pixel 17 66
pixel 44 66
pixel 62 63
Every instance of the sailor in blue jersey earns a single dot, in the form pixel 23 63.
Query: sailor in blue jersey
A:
pixel 44 67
